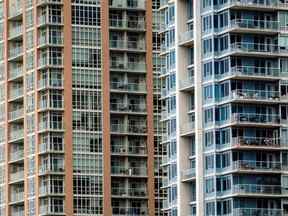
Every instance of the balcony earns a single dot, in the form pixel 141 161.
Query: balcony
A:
pixel 188 174
pixel 129 172
pixel 252 72
pixel 16 156
pixel 55 125
pixel 45 190
pixel 15 93
pixel 129 87
pixel 16 114
pixel 15 11
pixel 252 25
pixel 17 212
pixel 130 192
pixel 50 20
pixel 128 4
pixel 128 150
pixel 57 209
pixel 16 134
pixel 253 49
pixel 15 31
pixel 258 190
pixel 50 148
pixel 136 25
pixel 257 211
pixel 57 169
pixel 257 166
pixel 52 62
pixel 186 38
pixel 46 40
pixel 187 84
pixel 129 211
pixel 41 2
pixel 128 129
pixel 128 66
pixel 128 108
pixel 128 45
pixel 256 142
pixel 254 96
pixel 187 128
pixel 254 119
pixel 15 72
pixel 16 197
pixel 16 176
pixel 255 4
pixel 45 83
pixel 14 53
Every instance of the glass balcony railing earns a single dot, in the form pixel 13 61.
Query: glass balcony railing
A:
pixel 133 87
pixel 17 176
pixel 251 165
pixel 46 147
pixel 188 127
pixel 252 24
pixel 256 142
pixel 132 171
pixel 251 118
pixel 15 72
pixel 255 4
pixel 49 189
pixel 39 2
pixel 16 134
pixel 270 190
pixel 16 10
pixel 117 211
pixel 128 66
pixel 16 114
pixel 257 211
pixel 44 20
pixel 188 83
pixel 186 36
pixel 253 48
pixel 121 149
pixel 15 93
pixel 15 52
pixel 132 192
pixel 124 128
pixel 131 4
pixel 17 196
pixel 15 31
pixel 129 45
pixel 261 72
pixel 247 94
pixel 188 174
pixel 57 209
pixel 17 155
pixel 46 125
pixel 43 169
pixel 130 108
pixel 128 24
pixel 17 213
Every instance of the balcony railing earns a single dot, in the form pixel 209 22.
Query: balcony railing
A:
pixel 267 25
pixel 188 83
pixel 121 107
pixel 131 4
pixel 132 171
pixel 135 192
pixel 251 118
pixel 15 72
pixel 54 169
pixel 248 47
pixel 188 173
pixel 15 31
pixel 256 142
pixel 128 66
pixel 257 211
pixel 261 72
pixel 49 209
pixel 255 4
pixel 15 51
pixel 133 87
pixel 17 213
pixel 16 114
pixel 124 128
pixel 129 211
pixel 46 125
pixel 16 134
pixel 15 93
pixel 46 147
pixel 121 149
pixel 258 189
pixel 17 197
pixel 128 24
pixel 186 36
pixel 17 155
pixel 247 94
pixel 17 176
pixel 187 128
pixel 129 45
pixel 250 165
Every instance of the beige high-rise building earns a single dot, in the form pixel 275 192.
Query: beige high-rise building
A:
pixel 225 96
pixel 79 109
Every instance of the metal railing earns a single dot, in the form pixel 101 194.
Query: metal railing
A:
pixel 255 118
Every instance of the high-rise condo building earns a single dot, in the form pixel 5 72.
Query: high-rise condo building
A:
pixel 79 109
pixel 225 96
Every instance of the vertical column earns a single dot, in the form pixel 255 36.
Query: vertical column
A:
pixel 150 107
pixel 107 210
pixel 68 144
pixel 5 10
pixel 198 108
